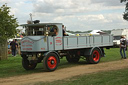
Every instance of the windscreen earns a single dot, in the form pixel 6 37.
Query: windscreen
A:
pixel 117 37
pixel 41 30
pixel 35 30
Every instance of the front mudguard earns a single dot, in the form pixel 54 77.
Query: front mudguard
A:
pixel 45 54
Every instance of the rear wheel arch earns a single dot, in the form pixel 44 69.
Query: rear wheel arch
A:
pixel 98 49
pixel 89 51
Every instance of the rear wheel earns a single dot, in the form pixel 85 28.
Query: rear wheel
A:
pixel 27 65
pixel 50 62
pixel 95 56
pixel 72 57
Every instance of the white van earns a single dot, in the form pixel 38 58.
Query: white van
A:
pixel 117 33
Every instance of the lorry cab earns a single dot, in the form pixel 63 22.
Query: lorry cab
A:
pixel 42 37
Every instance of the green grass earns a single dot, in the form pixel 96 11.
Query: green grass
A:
pixel 13 66
pixel 118 77
pixel 112 54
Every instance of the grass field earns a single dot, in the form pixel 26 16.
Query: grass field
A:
pixel 13 66
pixel 118 77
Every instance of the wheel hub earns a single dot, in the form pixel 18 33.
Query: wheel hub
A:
pixel 94 55
pixel 52 62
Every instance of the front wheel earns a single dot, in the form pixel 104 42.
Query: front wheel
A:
pixel 50 62
pixel 27 65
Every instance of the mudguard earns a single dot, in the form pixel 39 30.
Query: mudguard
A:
pixel 89 51
pixel 45 54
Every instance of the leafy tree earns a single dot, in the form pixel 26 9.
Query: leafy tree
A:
pixel 8 23
pixel 125 15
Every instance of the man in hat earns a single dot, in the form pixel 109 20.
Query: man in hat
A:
pixel 123 46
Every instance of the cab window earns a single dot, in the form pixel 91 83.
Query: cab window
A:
pixel 35 31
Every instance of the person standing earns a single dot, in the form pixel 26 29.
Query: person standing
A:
pixel 13 45
pixel 123 46
pixel 64 32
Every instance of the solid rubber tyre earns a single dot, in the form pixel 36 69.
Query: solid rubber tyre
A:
pixel 50 62
pixel 27 65
pixel 95 56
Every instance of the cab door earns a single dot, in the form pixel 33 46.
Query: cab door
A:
pixel 58 40
pixel 58 43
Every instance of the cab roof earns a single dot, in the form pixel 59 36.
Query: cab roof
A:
pixel 40 24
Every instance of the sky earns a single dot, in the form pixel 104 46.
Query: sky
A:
pixel 76 15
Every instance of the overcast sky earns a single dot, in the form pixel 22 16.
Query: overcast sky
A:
pixel 76 15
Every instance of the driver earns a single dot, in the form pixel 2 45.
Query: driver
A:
pixel 55 32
